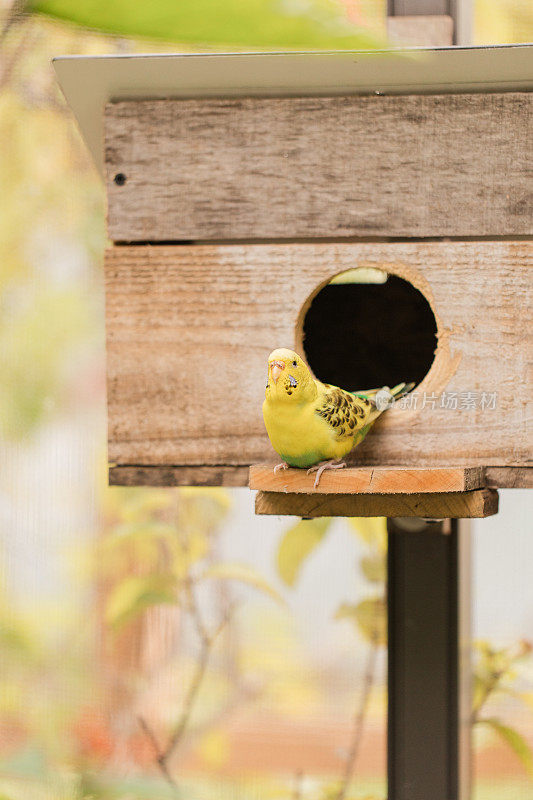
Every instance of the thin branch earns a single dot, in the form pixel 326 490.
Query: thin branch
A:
pixel 194 610
pixel 241 695
pixel 488 689
pixel 359 720
pixel 207 641
pixel 159 754
pixel 520 649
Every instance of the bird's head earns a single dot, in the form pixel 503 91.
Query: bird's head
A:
pixel 288 377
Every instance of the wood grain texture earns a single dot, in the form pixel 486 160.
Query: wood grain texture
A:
pixel 509 477
pixel 178 476
pixel 219 475
pixel 453 505
pixel 368 480
pixel 189 329
pixel 255 168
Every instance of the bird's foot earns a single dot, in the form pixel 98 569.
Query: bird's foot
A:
pixel 278 467
pixel 322 465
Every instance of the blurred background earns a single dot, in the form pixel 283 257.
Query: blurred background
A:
pixel 168 643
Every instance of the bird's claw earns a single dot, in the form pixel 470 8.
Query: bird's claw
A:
pixel 278 467
pixel 323 465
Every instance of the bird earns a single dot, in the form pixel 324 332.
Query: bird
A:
pixel 314 425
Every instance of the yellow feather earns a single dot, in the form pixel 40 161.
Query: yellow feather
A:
pixel 308 421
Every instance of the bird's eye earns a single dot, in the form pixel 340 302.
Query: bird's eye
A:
pixel 294 363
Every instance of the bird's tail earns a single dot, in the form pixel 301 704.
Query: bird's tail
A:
pixel 384 397
pixel 402 389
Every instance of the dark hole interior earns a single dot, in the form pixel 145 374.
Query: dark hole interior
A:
pixel 363 335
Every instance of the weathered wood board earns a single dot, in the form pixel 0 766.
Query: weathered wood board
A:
pixel 368 480
pixel 453 505
pixel 164 475
pixel 253 168
pixel 154 475
pixel 190 327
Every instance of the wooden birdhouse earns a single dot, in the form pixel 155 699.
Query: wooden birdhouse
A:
pixel 370 211
pixel 373 212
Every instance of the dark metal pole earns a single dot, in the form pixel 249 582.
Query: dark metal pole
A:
pixel 429 613
pixel 429 600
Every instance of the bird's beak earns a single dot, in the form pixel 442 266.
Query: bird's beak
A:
pixel 276 368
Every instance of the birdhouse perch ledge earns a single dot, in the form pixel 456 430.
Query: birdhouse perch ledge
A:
pixel 442 492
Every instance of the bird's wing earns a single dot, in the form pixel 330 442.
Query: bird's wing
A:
pixel 344 412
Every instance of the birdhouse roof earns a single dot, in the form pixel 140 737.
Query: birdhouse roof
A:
pixel 88 82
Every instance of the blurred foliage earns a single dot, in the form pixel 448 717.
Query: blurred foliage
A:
pixel 503 21
pixel 368 616
pixel 51 237
pixel 307 24
pixel 161 549
pixel 41 674
pixel 496 671
pixel 301 540
pixel 157 548
pixel 168 537
pixel 296 544
pixel 38 330
pixel 242 573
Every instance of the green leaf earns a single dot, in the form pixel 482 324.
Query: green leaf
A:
pixel 202 508
pixel 138 541
pixel 370 617
pixel 515 740
pixel 372 531
pixel 244 574
pixel 14 637
pixel 374 568
pixel 297 544
pixel 135 594
pixel 256 23
pixel 479 692
pixel 196 548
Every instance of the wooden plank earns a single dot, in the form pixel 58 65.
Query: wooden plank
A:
pixel 254 168
pixel 368 480
pixel 509 477
pixel 150 475
pixel 189 330
pixel 178 476
pixel 454 505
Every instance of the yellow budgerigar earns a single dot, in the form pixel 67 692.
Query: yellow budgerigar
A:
pixel 314 425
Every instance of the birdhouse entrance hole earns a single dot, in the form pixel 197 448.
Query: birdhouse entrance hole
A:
pixel 369 328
